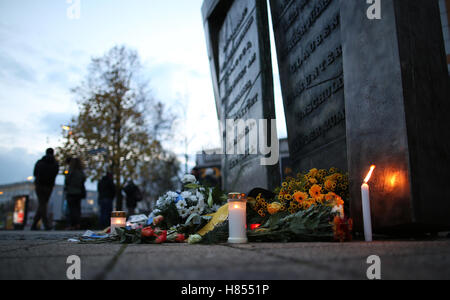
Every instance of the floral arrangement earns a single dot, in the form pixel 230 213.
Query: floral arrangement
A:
pixel 308 207
pixel 188 206
pixel 318 187
pixel 177 215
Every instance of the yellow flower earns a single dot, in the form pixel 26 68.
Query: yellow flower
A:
pixel 312 180
pixel 274 208
pixel 330 185
pixel 313 172
pixel 330 196
pixel 284 184
pixel 300 196
pixel 288 197
pixel 315 191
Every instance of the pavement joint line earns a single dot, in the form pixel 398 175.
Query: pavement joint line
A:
pixel 26 248
pixel 295 260
pixel 110 266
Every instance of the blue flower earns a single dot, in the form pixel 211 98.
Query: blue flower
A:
pixel 179 198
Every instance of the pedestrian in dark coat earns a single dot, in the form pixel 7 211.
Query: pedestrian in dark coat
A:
pixel 134 195
pixel 106 193
pixel 75 191
pixel 45 172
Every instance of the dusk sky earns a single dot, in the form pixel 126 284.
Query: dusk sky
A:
pixel 44 53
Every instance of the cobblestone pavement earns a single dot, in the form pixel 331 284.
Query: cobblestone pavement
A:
pixel 43 255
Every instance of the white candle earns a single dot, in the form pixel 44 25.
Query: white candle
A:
pixel 237 217
pixel 118 220
pixel 367 217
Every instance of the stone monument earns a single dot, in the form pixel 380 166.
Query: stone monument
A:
pixel 397 104
pixel 237 34
pixel 309 49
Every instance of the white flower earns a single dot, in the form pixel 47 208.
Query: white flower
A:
pixel 172 195
pixel 181 204
pixel 215 207
pixel 192 210
pixel 200 196
pixel 184 213
pixel 187 179
pixel 193 198
pixel 186 195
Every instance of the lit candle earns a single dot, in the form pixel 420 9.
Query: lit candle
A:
pixel 118 220
pixel 365 192
pixel 237 217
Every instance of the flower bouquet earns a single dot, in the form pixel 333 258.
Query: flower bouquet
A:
pixel 304 208
pixel 177 215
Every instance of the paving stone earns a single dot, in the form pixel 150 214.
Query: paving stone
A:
pixel 43 255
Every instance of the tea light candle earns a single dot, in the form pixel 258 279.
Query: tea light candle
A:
pixel 237 216
pixel 118 220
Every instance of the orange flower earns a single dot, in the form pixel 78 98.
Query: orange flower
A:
pixel 315 191
pixel 312 180
pixel 300 197
pixel 313 173
pixel 330 185
pixel 330 196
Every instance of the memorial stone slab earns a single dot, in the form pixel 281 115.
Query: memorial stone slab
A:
pixel 397 104
pixel 309 50
pixel 239 51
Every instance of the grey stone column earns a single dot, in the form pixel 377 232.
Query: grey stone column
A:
pixel 397 107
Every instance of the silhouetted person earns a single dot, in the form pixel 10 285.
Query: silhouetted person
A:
pixel 196 172
pixel 45 172
pixel 210 178
pixel 133 194
pixel 75 192
pixel 106 192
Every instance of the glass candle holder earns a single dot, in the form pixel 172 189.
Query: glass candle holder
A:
pixel 237 216
pixel 118 220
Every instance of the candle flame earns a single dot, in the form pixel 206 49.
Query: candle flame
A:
pixel 369 175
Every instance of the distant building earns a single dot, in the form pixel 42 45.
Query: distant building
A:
pixel 56 205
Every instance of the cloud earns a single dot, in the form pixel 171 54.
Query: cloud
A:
pixel 50 123
pixel 16 164
pixel 13 69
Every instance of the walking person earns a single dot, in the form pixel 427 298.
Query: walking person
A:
pixel 134 195
pixel 106 193
pixel 45 172
pixel 75 192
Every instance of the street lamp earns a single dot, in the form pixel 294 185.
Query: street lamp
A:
pixel 67 128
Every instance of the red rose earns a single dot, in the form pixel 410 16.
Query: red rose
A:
pixel 148 232
pixel 180 238
pixel 161 238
